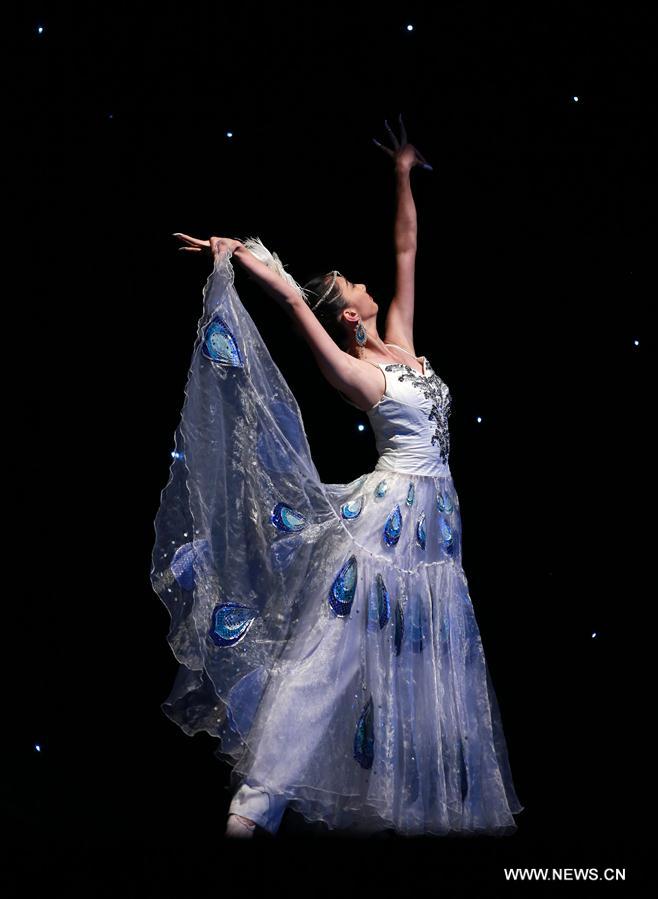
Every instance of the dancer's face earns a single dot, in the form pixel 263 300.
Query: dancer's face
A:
pixel 357 297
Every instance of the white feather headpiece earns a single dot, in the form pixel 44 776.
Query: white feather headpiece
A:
pixel 256 246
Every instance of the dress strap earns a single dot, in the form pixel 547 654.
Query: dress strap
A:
pixel 417 358
pixel 403 350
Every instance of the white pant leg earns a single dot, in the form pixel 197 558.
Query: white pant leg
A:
pixel 254 802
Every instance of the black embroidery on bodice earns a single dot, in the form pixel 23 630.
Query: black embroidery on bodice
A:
pixel 433 388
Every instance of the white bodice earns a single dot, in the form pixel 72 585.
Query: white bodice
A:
pixel 410 421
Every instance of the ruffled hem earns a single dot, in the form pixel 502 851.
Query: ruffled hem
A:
pixel 354 818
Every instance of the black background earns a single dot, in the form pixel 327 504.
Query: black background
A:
pixel 534 278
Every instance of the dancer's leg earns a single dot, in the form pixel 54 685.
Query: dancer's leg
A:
pixel 252 801
pixel 324 668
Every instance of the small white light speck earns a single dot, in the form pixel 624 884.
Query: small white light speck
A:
pixel 361 427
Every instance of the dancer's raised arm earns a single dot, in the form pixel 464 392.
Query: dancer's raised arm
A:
pixel 400 317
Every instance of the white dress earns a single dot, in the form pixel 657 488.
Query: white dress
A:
pixel 328 639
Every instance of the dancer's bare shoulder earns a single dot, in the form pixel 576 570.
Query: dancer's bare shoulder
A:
pixel 366 384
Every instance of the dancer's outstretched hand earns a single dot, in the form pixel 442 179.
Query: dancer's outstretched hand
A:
pixel 404 154
pixel 214 245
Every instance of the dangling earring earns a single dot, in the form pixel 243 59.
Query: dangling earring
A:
pixel 360 336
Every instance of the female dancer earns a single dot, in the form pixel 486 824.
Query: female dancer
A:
pixel 325 631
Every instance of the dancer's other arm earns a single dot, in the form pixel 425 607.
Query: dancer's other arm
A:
pixel 266 277
pixel 399 323
pixel 338 367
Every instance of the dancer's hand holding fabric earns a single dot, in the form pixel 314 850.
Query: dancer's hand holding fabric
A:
pixel 405 155
pixel 216 245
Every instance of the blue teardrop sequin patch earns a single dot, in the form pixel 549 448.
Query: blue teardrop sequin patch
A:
pixel 182 563
pixel 286 519
pixel 219 345
pixel 399 627
pixel 353 508
pixel 383 601
pixel 364 736
pixel 379 605
pixel 411 493
pixel 444 503
pixel 446 536
pixel 393 527
pixel 379 611
pixel 343 588
pixel 230 622
pixel 381 488
pixel 421 533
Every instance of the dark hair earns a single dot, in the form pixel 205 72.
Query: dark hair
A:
pixel 328 312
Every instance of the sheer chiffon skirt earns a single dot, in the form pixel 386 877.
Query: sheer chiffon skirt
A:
pixel 377 710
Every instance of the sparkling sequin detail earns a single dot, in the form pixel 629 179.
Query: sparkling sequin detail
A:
pixel 379 605
pixel 421 534
pixel 393 527
pixel 444 503
pixel 353 508
pixel 381 488
pixel 383 601
pixel 286 519
pixel 411 493
pixel 446 535
pixel 434 389
pixel 230 623
pixel 343 588
pixel 219 345
pixel 182 563
pixel 364 736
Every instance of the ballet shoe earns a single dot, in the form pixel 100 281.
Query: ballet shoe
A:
pixel 236 826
